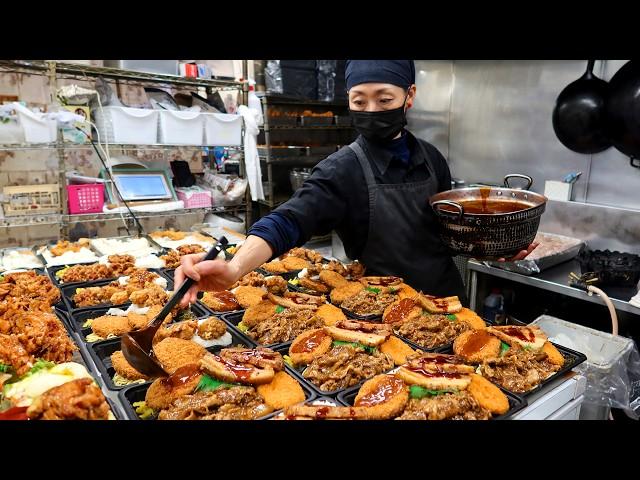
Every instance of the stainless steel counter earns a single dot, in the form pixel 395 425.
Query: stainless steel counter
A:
pixel 555 279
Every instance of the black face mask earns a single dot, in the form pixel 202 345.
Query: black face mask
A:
pixel 381 126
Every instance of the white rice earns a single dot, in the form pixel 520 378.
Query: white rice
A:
pixel 222 341
pixel 138 247
pixel 14 259
pixel 67 258
pixel 149 261
pixel 188 240
pixel 162 282
pixel 117 312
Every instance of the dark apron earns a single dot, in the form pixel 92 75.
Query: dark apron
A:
pixel 403 233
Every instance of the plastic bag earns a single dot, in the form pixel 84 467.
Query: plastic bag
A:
pixel 612 368
pixel 225 189
pixel 618 387
pixel 273 76
pixel 326 79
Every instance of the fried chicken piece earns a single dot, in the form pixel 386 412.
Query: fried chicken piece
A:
pixel 283 391
pixel 184 330
pixel 276 285
pixel 295 263
pixel 312 285
pixel 43 336
pixel 383 397
pixel 119 298
pixel 249 296
pixel 13 354
pixel 274 266
pixel 164 391
pixel 110 325
pixel 341 293
pixel 212 328
pixel 86 273
pixel 79 399
pixel 124 369
pixel 335 266
pixel 222 301
pixel 150 296
pixel 333 279
pixel 330 314
pixel 121 264
pixel 258 313
pixel 251 279
pixel 173 353
pixel 356 270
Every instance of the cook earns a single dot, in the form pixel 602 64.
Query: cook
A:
pixel 374 193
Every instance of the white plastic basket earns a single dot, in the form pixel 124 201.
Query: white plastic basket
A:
pixel 222 129
pixel 181 128
pixel 36 128
pixel 127 125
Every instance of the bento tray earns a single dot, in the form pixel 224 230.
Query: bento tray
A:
pixel 297 371
pixel 68 291
pixel 10 249
pixel 439 349
pixel 38 252
pixel 83 357
pixel 101 354
pixel 79 317
pixel 235 318
pixel 516 402
pixel 572 360
pixel 137 393
pixel 283 120
pixel 60 305
pixel 56 281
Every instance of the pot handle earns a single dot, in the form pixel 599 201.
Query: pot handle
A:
pixel 457 206
pixel 632 162
pixel 518 175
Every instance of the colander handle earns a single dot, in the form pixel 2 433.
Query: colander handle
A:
pixel 518 175
pixel 457 206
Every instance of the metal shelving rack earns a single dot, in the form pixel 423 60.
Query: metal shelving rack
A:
pixel 303 161
pixel 60 70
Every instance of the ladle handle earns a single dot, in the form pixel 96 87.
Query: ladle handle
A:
pixel 187 284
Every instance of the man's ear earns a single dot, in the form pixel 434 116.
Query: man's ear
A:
pixel 411 97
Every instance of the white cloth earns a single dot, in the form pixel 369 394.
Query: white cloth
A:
pixel 251 158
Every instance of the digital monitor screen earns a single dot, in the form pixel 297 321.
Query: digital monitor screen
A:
pixel 143 187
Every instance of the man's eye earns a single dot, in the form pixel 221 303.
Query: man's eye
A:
pixel 385 100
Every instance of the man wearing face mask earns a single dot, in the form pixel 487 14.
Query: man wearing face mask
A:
pixel 373 193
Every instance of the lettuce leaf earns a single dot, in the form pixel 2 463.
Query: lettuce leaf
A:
pixel 504 347
pixel 373 290
pixel 280 309
pixel 416 391
pixel 209 384
pixel 367 349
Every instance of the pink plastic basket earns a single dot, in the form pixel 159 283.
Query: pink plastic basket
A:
pixel 87 198
pixel 193 199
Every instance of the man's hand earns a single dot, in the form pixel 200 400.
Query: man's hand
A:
pixel 522 254
pixel 211 275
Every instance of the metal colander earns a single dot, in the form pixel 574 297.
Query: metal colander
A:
pixel 489 235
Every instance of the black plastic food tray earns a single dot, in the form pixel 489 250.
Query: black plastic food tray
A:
pixel 314 121
pixel 440 349
pixel 356 316
pixel 68 291
pixel 136 393
pixel 101 354
pixel 516 402
pixel 572 360
pixel 56 281
pixel 297 371
pixel 79 317
pixel 235 318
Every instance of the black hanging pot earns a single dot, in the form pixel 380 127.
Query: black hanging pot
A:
pixel 623 111
pixel 578 117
